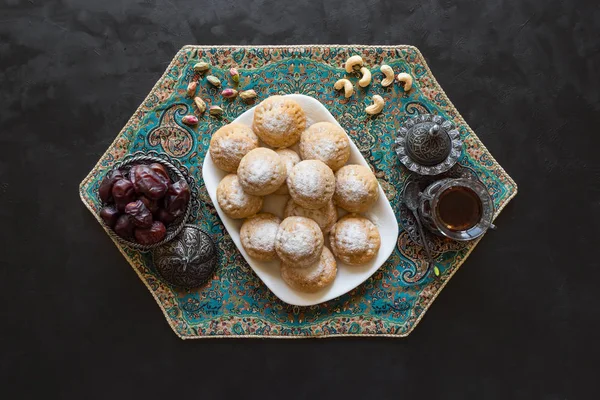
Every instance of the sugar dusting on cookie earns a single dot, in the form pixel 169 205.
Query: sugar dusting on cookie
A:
pixel 237 196
pixel 352 189
pixel 355 240
pixel 307 180
pixel 313 277
pixel 260 171
pixel 234 201
pixel 278 122
pixel 311 184
pixel 300 242
pixel 312 272
pixel 356 188
pixel 263 237
pixel 230 143
pixel 325 216
pixel 353 236
pixel 326 142
pixel 325 149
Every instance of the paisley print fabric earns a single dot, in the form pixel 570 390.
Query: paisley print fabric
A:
pixel 235 302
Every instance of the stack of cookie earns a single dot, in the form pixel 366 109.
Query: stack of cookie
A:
pixel 316 178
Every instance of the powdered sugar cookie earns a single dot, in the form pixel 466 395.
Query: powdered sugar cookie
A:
pixel 356 188
pixel 258 236
pixel 234 201
pixel 354 239
pixel 311 184
pixel 299 241
pixel 261 172
pixel 326 142
pixel 325 216
pixel 230 143
pixel 289 158
pixel 314 277
pixel 279 121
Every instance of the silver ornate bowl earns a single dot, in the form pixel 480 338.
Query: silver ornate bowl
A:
pixel 175 173
pixel 428 144
pixel 189 260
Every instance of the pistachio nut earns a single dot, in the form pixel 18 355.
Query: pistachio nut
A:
pixel 191 88
pixel 215 111
pixel 213 80
pixel 190 120
pixel 229 93
pixel 248 95
pixel 201 67
pixel 235 75
pixel 200 104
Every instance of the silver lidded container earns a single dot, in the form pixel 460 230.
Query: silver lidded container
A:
pixel 428 144
pixel 189 260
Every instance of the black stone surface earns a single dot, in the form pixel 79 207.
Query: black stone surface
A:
pixel 519 321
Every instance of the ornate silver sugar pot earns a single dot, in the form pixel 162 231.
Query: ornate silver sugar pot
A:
pixel 189 260
pixel 428 144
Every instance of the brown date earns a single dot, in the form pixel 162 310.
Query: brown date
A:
pixel 148 182
pixel 109 215
pixel 165 216
pixel 121 206
pixel 123 192
pixel 151 204
pixel 139 214
pixel 124 227
pixel 132 172
pixel 154 234
pixel 105 189
pixel 161 170
pixel 177 197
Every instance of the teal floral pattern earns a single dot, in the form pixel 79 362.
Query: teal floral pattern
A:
pixel 235 302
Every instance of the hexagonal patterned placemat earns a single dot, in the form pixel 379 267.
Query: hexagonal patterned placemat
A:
pixel 235 303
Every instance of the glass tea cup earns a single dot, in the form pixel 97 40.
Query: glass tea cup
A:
pixel 459 209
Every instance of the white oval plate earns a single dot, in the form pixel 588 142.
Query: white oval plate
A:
pixel 348 277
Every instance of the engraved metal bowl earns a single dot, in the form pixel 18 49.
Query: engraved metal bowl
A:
pixel 428 144
pixel 176 172
pixel 189 260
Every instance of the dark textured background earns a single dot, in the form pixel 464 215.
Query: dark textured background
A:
pixel 519 321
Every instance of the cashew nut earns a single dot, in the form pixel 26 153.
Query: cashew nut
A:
pixel 406 80
pixel 354 62
pixel 366 77
pixel 347 85
pixel 388 72
pixel 377 105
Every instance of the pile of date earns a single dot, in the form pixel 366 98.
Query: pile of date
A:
pixel 141 200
